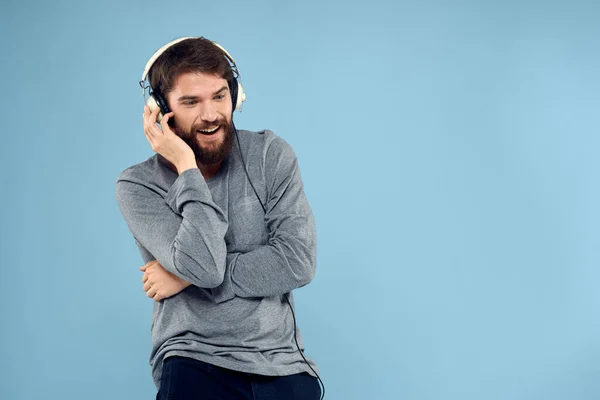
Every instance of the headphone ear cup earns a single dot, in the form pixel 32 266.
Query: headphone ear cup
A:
pixel 237 94
pixel 153 105
pixel 241 96
pixel 234 86
pixel 162 103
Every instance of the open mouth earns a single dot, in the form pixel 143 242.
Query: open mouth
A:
pixel 210 131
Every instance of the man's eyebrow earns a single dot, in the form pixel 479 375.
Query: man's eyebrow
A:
pixel 225 87
pixel 191 97
pixel 183 98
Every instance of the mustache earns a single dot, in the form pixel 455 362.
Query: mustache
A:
pixel 219 122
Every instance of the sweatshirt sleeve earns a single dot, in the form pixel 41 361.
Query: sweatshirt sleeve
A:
pixel 184 230
pixel 288 260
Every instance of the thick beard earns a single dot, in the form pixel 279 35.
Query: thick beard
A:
pixel 209 156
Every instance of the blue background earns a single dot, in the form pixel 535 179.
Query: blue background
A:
pixel 449 153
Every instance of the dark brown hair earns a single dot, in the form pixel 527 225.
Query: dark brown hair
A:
pixel 189 55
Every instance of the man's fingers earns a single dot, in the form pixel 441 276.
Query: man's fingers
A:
pixel 148 264
pixel 146 117
pixel 151 292
pixel 165 121
pixel 148 137
pixel 150 127
pixel 147 127
pixel 153 130
pixel 153 120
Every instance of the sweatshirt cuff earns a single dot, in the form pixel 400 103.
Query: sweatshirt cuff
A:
pixel 224 291
pixel 189 186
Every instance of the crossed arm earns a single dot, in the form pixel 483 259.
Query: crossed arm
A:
pixel 185 233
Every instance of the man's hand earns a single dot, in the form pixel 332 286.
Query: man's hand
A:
pixel 159 283
pixel 166 143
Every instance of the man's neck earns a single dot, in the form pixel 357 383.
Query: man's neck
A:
pixel 208 171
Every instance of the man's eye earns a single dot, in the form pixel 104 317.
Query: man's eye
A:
pixel 219 96
pixel 189 103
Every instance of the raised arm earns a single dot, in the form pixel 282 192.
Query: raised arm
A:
pixel 288 260
pixel 184 231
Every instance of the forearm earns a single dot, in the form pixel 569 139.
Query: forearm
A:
pixel 272 270
pixel 184 231
pixel 199 248
pixel 286 263
pixel 198 252
pixel 288 260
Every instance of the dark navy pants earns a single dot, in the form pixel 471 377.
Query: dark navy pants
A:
pixel 184 378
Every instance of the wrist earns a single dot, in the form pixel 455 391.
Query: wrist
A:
pixel 183 283
pixel 181 168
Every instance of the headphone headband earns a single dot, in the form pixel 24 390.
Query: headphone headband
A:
pixel 241 96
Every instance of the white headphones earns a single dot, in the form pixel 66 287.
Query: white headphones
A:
pixel 157 100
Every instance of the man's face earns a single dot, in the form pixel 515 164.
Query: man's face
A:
pixel 202 109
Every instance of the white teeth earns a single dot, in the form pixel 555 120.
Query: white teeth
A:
pixel 209 130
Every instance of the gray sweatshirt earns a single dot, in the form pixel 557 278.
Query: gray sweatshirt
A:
pixel 240 261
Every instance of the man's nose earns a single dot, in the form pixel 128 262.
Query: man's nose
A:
pixel 209 113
